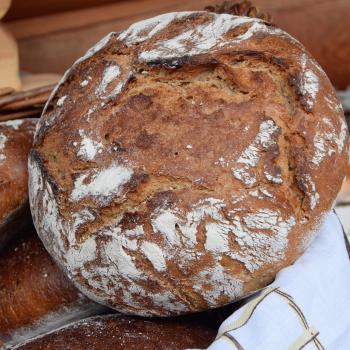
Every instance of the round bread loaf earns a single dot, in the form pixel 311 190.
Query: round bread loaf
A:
pixel 180 164
pixel 16 138
pixel 35 295
pixel 116 332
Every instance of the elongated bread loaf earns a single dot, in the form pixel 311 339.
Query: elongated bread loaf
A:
pixel 117 332
pixel 35 295
pixel 16 137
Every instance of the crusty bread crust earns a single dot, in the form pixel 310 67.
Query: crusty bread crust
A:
pixel 35 295
pixel 118 332
pixel 182 163
pixel 16 138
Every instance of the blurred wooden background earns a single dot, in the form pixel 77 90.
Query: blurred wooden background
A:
pixel 51 34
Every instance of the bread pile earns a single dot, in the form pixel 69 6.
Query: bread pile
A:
pixel 176 168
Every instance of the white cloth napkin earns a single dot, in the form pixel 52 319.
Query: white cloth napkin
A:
pixel 307 307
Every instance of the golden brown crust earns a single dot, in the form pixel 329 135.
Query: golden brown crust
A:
pixel 182 163
pixel 33 291
pixel 16 138
pixel 117 332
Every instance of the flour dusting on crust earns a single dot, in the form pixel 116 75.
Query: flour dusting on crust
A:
pixel 15 124
pixel 328 141
pixel 251 155
pixel 310 190
pixel 101 185
pixel 309 82
pixel 198 40
pixel 217 283
pixel 146 29
pixel 154 254
pixel 3 140
pixel 61 100
pixel 259 248
pixel 88 147
pixel 110 73
pixel 263 237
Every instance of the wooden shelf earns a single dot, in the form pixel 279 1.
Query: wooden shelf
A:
pixel 25 9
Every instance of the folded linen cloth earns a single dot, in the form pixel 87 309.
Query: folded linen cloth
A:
pixel 307 307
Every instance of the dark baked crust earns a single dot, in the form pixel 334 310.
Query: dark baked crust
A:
pixel 35 295
pixel 16 138
pixel 117 332
pixel 181 164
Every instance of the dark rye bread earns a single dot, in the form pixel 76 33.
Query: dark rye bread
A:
pixel 120 333
pixel 182 163
pixel 16 137
pixel 35 295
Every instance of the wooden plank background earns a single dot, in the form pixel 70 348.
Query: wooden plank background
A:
pixel 60 32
